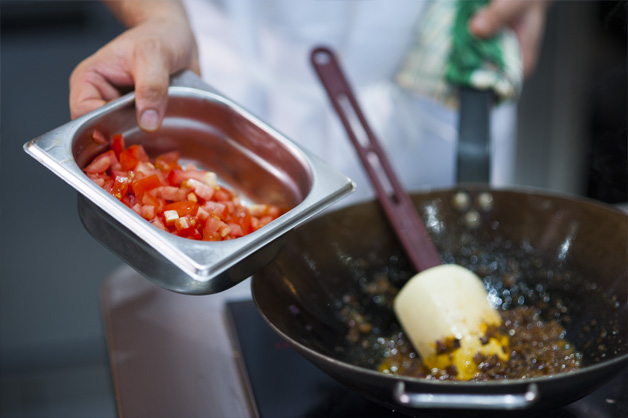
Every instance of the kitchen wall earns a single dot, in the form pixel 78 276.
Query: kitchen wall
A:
pixel 52 349
pixel 572 114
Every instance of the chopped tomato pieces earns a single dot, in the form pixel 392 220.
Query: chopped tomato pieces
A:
pixel 171 216
pixel 127 160
pixel 140 186
pixel 117 144
pixel 120 186
pixel 222 194
pixel 168 161
pixel 242 217
pixel 183 208
pixel 99 137
pixel 201 190
pixel 138 152
pixel 101 163
pixel 149 200
pixel 148 211
pixel 179 176
pixel 183 200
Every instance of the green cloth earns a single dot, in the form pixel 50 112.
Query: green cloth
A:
pixel 469 53
pixel 445 54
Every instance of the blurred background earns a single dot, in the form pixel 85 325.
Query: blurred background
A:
pixel 53 358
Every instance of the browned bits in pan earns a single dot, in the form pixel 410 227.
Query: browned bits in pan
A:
pixel 538 348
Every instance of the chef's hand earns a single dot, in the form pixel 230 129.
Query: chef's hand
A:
pixel 159 43
pixel 525 17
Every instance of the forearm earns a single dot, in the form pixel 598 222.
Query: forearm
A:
pixel 133 12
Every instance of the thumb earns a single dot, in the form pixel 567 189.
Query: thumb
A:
pixel 152 76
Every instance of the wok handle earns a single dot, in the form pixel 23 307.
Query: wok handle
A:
pixel 466 400
pixel 396 203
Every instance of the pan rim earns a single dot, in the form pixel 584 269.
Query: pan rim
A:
pixel 618 364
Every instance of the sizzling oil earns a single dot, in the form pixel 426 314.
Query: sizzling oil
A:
pixel 533 318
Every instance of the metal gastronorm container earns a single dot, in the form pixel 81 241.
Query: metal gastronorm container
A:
pixel 216 134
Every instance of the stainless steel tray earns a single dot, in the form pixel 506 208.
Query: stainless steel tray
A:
pixel 213 132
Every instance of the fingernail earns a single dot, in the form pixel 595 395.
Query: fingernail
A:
pixel 149 120
pixel 480 24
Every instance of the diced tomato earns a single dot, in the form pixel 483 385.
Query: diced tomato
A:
pixel 182 223
pixel 242 217
pixel 140 186
pixel 128 161
pixel 168 161
pixel 264 210
pixel 100 164
pixel 99 137
pixel 222 195
pixel 119 173
pixel 202 214
pixel 138 152
pixel 178 176
pixel 148 211
pixel 218 208
pixel 170 216
pixel 265 221
pixel 113 160
pixel 108 186
pixel 174 194
pixel 184 201
pixel 145 168
pixel 201 190
pixel 137 208
pixel 236 230
pixel 99 178
pixel 230 207
pixel 117 144
pixel 191 233
pixel 257 210
pixel 149 199
pixel 159 223
pixel 186 222
pixel 129 199
pixel 183 208
pixel 215 229
pixel 120 186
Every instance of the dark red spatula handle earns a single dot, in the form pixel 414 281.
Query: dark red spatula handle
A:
pixel 393 198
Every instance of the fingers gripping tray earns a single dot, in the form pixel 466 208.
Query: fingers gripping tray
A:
pixel 211 132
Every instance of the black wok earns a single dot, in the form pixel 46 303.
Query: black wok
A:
pixel 566 255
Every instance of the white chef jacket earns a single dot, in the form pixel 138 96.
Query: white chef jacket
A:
pixel 257 53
